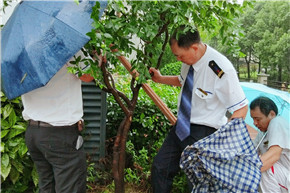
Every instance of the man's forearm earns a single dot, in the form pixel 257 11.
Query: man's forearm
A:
pixel 240 113
pixel 169 80
pixel 270 157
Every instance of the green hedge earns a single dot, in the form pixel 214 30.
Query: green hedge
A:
pixel 18 173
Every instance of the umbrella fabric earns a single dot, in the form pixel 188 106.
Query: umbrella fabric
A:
pixel 281 99
pixel 38 39
pixel 225 161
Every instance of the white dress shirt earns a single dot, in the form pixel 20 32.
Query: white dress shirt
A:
pixel 58 103
pixel 222 93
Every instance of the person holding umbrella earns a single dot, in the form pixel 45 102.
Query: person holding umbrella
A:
pixel 38 40
pixel 210 87
pixel 54 113
pixel 273 145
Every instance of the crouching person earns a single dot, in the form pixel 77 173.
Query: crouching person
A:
pixel 273 145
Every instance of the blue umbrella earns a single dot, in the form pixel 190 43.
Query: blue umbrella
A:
pixel 281 99
pixel 39 38
pixel 225 161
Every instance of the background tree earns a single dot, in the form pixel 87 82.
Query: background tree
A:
pixel 272 27
pixel 266 39
pixel 250 36
pixel 149 24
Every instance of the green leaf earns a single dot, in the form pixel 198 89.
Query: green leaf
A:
pixel 22 150
pixel 5 171
pixel 106 35
pixel 18 165
pixel 13 175
pixel 2 146
pixel 3 98
pixel 77 2
pixel 34 176
pixel 4 133
pixel 15 132
pixel 242 55
pixel 12 118
pixel 2 94
pixel 7 111
pixel 12 154
pixel 13 143
pixel 4 160
pixel 98 36
pixel 4 124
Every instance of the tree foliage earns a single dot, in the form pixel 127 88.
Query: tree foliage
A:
pixel 267 37
pixel 272 25
pixel 136 29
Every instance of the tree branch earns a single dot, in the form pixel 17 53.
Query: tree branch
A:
pixel 113 90
pixel 163 48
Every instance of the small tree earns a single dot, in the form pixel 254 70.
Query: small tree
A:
pixel 137 27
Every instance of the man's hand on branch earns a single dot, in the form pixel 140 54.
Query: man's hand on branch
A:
pixel 155 74
pixel 159 78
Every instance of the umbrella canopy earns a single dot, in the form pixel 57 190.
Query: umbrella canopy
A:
pixel 38 39
pixel 281 99
pixel 225 161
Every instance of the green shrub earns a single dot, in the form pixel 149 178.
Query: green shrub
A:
pixel 171 68
pixel 18 173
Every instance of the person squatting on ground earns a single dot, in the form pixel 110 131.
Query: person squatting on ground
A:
pixel 273 145
pixel 53 135
pixel 210 87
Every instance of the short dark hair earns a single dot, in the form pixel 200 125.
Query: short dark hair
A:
pixel 265 104
pixel 185 36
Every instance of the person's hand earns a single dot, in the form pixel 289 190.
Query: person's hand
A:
pixel 86 78
pixel 80 125
pixel 155 74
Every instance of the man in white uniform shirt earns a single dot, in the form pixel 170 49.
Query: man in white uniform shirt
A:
pixel 215 90
pixel 273 143
pixel 53 137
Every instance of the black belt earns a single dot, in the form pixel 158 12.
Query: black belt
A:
pixel 43 124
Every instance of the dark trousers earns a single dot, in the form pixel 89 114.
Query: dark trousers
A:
pixel 60 166
pixel 166 163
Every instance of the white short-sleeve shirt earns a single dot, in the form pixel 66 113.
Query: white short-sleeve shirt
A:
pixel 278 134
pixel 223 92
pixel 58 103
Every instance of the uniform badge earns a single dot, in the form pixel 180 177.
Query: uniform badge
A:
pixel 217 70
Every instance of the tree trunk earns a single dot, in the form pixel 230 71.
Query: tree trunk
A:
pixel 238 67
pixel 259 68
pixel 119 154
pixel 279 73
pixel 248 60
pixel 248 64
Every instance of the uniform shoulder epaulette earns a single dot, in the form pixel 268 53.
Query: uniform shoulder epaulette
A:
pixel 216 69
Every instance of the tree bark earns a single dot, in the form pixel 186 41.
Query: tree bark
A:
pixel 119 154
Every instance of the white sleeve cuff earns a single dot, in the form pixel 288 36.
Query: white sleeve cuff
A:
pixel 239 105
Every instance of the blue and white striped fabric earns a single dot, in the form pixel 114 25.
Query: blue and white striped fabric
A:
pixel 225 161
